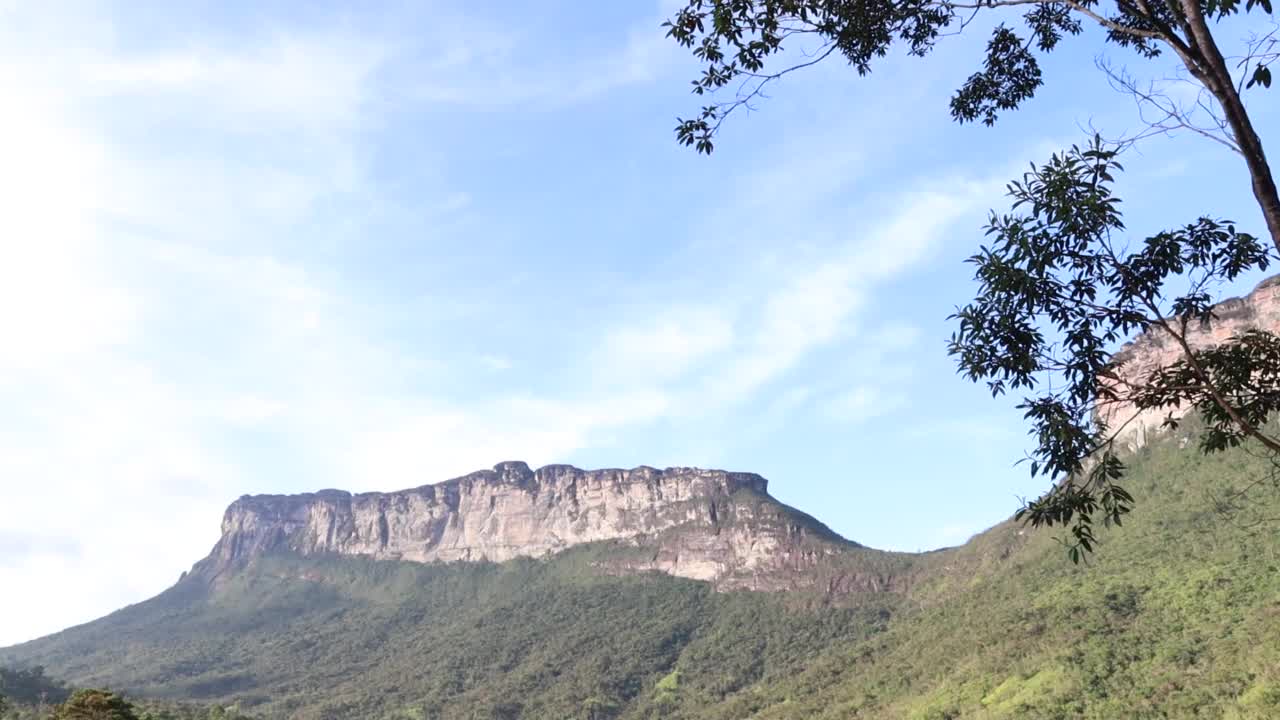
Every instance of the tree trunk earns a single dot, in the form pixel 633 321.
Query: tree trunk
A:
pixel 1213 72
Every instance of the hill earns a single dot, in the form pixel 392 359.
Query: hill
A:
pixel 1181 619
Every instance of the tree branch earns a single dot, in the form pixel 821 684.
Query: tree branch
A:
pixel 1218 399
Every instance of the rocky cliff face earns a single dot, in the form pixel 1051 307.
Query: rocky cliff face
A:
pixel 702 524
pixel 1259 310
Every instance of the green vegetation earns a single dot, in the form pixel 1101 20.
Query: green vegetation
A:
pixel 1058 287
pixel 342 638
pixel 93 704
pixel 1180 620
pixel 30 686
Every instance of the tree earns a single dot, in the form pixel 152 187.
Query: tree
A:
pixel 737 39
pixel 1057 290
pixel 95 705
pixel 1058 287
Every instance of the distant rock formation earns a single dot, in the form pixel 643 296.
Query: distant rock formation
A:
pixel 1259 310
pixel 702 524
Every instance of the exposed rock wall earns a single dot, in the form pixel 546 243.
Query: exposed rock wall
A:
pixel 701 524
pixel 1259 310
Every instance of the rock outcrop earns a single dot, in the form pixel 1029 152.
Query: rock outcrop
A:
pixel 703 524
pixel 1259 310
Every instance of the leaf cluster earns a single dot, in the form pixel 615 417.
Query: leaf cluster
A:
pixel 735 38
pixel 1245 372
pixel 735 41
pixel 1059 289
pixel 95 705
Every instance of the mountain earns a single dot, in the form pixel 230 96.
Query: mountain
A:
pixel 506 588
pixel 711 525
pixel 687 593
pixel 1178 618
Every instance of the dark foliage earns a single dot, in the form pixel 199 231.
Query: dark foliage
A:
pixel 1059 288
pixel 30 685
pixel 95 705
pixel 735 40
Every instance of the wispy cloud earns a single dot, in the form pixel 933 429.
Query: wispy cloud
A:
pixel 804 306
pixel 115 379
pixel 481 65
pixel 666 345
pixel 863 403
pixel 495 363
pixel 312 83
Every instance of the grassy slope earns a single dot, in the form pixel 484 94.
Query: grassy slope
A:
pixel 1179 618
pixel 345 638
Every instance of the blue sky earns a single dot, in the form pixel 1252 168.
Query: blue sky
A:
pixel 249 249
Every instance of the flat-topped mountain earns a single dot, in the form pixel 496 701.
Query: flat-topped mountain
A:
pixel 308 610
pixel 702 524
pixel 528 594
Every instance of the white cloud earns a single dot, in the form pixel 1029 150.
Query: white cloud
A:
pixel 863 403
pixel 316 83
pixel 811 305
pixel 107 453
pixel 664 346
pixel 105 438
pixel 251 410
pixel 474 64
pixel 109 438
pixel 409 445
pixel 496 363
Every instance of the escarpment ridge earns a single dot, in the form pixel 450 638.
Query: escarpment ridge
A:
pixel 702 524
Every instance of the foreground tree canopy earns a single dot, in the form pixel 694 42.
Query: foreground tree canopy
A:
pixel 95 705
pixel 1059 284
pixel 1058 288
pixel 38 697
pixel 737 41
